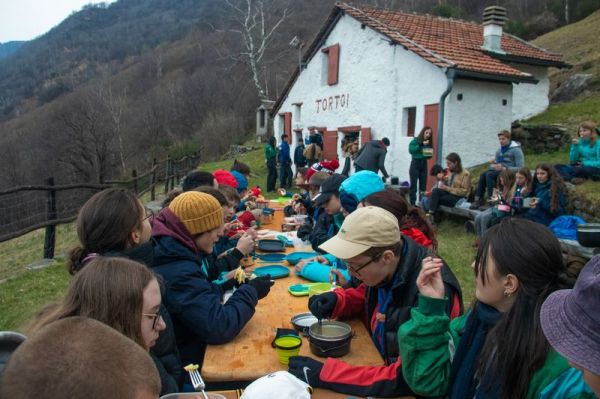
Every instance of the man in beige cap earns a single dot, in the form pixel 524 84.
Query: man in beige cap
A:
pixel 386 266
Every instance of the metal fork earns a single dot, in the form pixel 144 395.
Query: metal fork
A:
pixel 197 382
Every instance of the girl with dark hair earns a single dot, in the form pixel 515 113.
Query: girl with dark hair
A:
pixel 549 195
pixel 497 349
pixel 271 160
pixel 412 221
pixel 584 157
pixel 420 149
pixel 456 185
pixel 111 221
pixel 501 199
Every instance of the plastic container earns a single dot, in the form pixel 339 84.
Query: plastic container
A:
pixel 287 346
pixel 318 288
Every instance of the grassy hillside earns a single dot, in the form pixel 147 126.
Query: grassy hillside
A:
pixel 580 47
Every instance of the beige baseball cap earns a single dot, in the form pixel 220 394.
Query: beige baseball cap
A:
pixel 364 228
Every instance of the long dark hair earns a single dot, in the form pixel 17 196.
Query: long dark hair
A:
pixel 408 216
pixel 515 348
pixel 557 185
pixel 272 141
pixel 421 136
pixel 455 158
pixel 105 223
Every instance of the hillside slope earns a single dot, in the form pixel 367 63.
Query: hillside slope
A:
pixel 580 47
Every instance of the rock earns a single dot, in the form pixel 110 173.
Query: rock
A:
pixel 571 88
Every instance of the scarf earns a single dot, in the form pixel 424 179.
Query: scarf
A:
pixel 463 384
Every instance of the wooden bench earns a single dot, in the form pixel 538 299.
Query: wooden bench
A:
pixel 466 213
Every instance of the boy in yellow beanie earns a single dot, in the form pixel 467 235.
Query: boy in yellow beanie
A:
pixel 183 234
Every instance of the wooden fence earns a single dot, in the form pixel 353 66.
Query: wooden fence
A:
pixel 28 208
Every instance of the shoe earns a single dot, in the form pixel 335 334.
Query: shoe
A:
pixel 577 180
pixel 476 204
pixel 470 227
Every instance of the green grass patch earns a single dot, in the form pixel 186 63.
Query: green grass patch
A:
pixel 571 113
pixel 23 296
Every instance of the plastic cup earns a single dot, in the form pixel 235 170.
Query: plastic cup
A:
pixel 287 346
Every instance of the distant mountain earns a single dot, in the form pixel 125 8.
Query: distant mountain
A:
pixel 8 48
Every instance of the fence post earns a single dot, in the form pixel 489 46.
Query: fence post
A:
pixel 135 182
pixel 167 174
pixel 50 238
pixel 153 180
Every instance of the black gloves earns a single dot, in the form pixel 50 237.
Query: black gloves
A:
pixel 306 369
pixel 262 285
pixel 322 305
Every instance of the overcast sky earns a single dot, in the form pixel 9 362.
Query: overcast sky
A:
pixel 28 19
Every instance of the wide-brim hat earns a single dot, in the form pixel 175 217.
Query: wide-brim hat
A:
pixel 571 319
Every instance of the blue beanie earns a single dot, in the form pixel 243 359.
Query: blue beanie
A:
pixel 362 184
pixel 241 180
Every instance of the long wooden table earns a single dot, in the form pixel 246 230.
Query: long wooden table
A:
pixel 250 355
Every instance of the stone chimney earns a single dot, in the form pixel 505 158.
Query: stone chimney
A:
pixel 494 18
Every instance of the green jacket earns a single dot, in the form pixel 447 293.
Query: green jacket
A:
pixel 429 340
pixel 270 152
pixel 416 149
pixel 586 154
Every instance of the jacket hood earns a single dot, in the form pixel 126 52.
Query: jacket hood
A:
pixel 514 144
pixel 142 253
pixel 166 224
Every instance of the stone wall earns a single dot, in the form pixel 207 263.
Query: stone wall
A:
pixel 540 138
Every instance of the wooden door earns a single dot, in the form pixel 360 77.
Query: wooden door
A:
pixel 431 120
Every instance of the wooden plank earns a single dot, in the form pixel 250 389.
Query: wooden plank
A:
pixel 467 213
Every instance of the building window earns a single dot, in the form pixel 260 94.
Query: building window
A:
pixel 297 115
pixel 459 96
pixel 409 116
pixel 504 101
pixel 261 118
pixel 331 64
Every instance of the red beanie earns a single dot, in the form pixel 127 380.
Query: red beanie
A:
pixel 225 177
pixel 246 218
pixel 331 165
pixel 255 191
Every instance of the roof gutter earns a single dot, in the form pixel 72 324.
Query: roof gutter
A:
pixel 450 73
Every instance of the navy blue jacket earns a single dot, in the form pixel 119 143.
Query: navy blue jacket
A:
pixel 194 302
pixel 543 213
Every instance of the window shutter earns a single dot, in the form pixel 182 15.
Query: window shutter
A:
pixel 333 63
pixel 287 125
pixel 365 135
pixel 330 145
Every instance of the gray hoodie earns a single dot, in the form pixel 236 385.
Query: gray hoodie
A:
pixel 372 157
pixel 512 158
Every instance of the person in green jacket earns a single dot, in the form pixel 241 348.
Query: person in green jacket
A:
pixel 497 349
pixel 271 159
pixel 584 156
pixel 420 149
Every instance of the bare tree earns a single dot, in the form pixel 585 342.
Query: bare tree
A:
pixel 256 25
pixel 115 104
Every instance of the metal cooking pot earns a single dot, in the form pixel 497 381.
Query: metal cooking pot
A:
pixel 588 235
pixel 330 338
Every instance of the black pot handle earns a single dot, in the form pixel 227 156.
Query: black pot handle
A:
pixel 330 349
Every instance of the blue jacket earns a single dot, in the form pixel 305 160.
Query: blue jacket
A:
pixel 193 302
pixel 542 213
pixel 284 152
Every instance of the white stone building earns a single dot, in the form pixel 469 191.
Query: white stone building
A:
pixel 381 73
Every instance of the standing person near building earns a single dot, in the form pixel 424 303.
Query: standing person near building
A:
pixel 285 163
pixel 299 159
pixel 584 156
pixel 387 265
pixel 508 156
pixel 271 160
pixel 372 156
pixel 313 152
pixel 420 149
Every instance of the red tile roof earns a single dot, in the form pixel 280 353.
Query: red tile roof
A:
pixel 449 43
pixel 444 42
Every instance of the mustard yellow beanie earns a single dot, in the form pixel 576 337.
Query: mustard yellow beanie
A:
pixel 199 212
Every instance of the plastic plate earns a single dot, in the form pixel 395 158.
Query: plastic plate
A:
pixel 276 271
pixel 295 257
pixel 271 257
pixel 271 245
pixel 300 289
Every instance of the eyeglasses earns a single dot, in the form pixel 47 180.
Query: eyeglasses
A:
pixel 156 316
pixel 358 269
pixel 149 214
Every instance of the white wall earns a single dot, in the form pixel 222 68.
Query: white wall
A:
pixel 471 125
pixel 379 80
pixel 530 99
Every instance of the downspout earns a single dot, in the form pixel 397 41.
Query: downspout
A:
pixel 450 83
